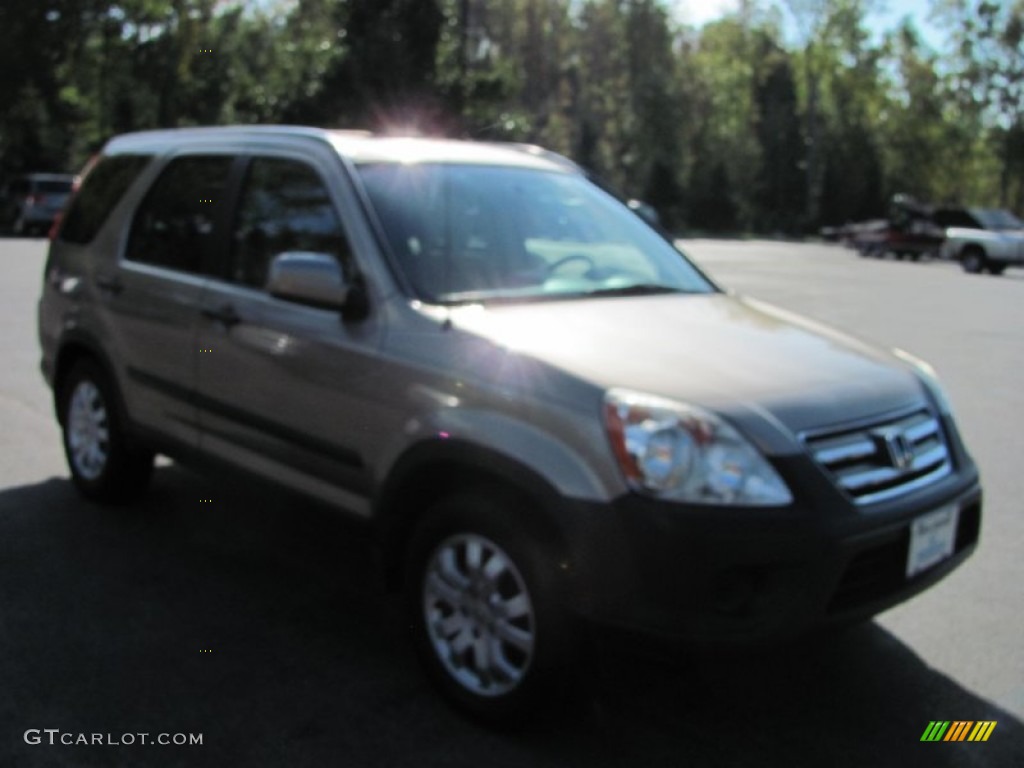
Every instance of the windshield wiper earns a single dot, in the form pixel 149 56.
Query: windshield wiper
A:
pixel 636 289
pixel 488 297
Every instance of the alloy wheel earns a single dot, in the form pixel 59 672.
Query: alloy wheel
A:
pixel 88 430
pixel 479 615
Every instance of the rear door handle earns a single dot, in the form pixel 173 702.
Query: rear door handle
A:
pixel 110 283
pixel 224 314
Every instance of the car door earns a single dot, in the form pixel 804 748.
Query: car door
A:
pixel 284 388
pixel 154 294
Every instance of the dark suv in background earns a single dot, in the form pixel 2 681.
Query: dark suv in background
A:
pixel 550 416
pixel 29 204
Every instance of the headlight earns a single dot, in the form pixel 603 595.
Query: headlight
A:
pixel 930 379
pixel 684 453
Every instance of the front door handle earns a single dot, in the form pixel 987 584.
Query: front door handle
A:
pixel 224 314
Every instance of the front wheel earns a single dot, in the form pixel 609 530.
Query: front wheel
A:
pixel 996 269
pixel 104 464
pixel 973 260
pixel 489 628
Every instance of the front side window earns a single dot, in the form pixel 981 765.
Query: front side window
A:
pixel 482 233
pixel 284 207
pixel 175 225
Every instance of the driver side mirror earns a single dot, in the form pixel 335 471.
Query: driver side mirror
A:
pixel 316 279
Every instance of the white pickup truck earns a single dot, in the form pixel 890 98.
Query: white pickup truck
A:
pixel 982 239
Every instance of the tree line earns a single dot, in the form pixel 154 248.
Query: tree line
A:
pixel 776 118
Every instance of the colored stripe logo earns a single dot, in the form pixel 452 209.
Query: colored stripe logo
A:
pixel 958 730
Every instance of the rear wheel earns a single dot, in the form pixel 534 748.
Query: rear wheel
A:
pixel 973 260
pixel 482 599
pixel 105 465
pixel 996 269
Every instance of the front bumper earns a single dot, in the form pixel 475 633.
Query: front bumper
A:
pixel 753 574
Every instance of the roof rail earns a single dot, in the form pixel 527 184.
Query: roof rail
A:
pixel 538 151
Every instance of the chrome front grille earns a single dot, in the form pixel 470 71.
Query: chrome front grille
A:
pixel 885 458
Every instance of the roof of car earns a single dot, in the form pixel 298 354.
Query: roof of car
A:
pixel 359 146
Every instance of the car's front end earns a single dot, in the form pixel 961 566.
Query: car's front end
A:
pixel 770 475
pixel 744 572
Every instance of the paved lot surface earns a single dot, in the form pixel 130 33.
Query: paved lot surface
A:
pixel 105 618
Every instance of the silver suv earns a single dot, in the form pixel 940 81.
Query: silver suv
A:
pixel 552 419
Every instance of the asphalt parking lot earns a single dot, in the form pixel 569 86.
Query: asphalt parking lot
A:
pixel 257 620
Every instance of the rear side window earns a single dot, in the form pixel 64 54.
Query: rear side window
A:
pixel 101 189
pixel 175 225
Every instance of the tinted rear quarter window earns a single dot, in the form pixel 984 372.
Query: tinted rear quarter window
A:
pixel 175 225
pixel 102 188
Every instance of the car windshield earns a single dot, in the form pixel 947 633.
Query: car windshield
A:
pixel 472 233
pixel 994 218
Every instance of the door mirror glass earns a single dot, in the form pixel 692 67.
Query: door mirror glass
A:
pixel 308 278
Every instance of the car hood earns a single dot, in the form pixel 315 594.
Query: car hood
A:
pixel 1011 235
pixel 729 354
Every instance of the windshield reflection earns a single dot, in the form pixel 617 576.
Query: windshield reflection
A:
pixel 468 233
pixel 994 218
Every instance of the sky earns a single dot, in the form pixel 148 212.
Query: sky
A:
pixel 699 12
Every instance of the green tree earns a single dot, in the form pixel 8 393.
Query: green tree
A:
pixel 744 134
pixel 780 189
pixel 988 79
pixel 926 141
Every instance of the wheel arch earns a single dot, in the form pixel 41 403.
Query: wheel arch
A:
pixel 75 346
pixel 432 470
pixel 971 245
pixel 973 257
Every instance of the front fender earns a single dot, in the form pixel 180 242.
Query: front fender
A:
pixel 583 471
pixel 993 244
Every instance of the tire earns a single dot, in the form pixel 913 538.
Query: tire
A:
pixel 996 268
pixel 489 628
pixel 973 260
pixel 105 465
